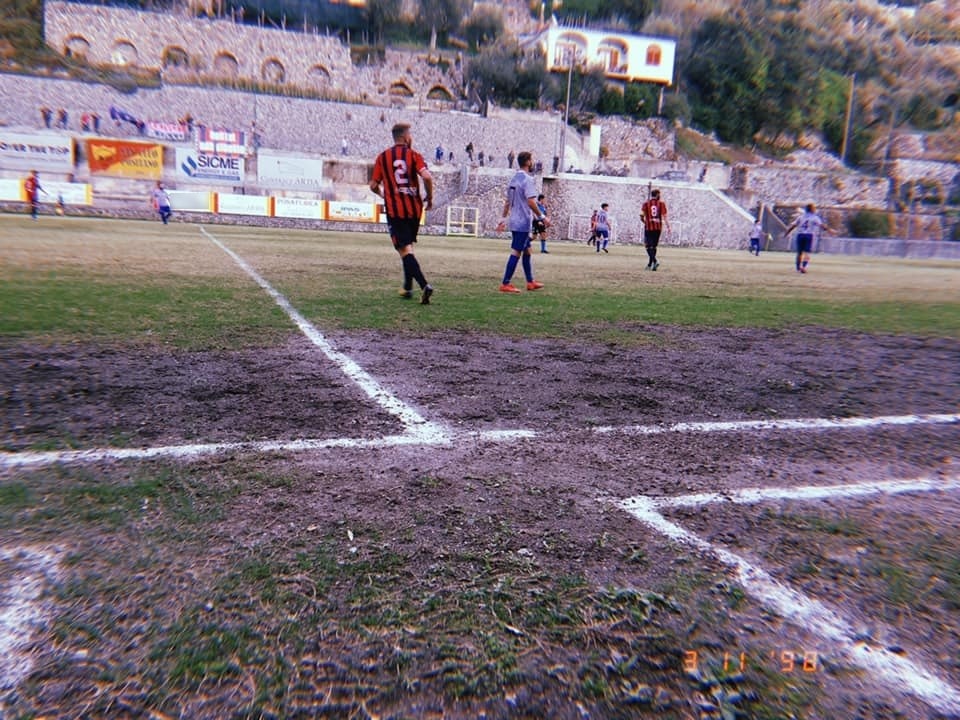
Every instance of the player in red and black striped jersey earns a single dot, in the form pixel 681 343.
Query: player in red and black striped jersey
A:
pixel 653 213
pixel 32 189
pixel 397 173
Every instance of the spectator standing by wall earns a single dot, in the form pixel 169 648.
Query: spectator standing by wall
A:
pixel 62 119
pixel 756 234
pixel 397 173
pixel 510 158
pixel 47 115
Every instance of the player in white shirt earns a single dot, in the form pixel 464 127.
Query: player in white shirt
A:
pixel 809 225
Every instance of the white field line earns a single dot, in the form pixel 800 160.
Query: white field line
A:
pixel 20 612
pixel 810 492
pixel 407 415
pixel 191 452
pixel 796 424
pixel 428 434
pixel 892 670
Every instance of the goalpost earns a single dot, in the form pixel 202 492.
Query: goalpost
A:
pixel 463 220
pixel 578 228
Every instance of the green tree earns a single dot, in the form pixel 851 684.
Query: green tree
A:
pixel 611 102
pixel 676 107
pixel 493 73
pixel 443 16
pixel 640 99
pixel 381 15
pixel 634 12
pixel 829 112
pixel 483 27
pixel 727 77
pixel 21 23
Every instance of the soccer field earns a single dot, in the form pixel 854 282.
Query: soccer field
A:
pixel 242 478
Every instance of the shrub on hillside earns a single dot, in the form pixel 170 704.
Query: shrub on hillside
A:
pixel 870 224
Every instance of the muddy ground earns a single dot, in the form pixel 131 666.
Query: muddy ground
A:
pixel 551 499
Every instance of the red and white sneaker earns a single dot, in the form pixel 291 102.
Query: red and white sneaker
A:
pixel 534 285
pixel 508 288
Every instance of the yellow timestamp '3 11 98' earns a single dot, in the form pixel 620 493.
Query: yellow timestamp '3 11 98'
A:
pixel 788 661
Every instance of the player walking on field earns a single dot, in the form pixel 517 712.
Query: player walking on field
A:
pixel 808 225
pixel 397 172
pixel 161 202
pixel 539 228
pixel 519 210
pixel 653 215
pixel 602 228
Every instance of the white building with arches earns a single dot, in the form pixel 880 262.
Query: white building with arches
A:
pixel 622 56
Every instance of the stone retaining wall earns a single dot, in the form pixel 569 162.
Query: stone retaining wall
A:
pixel 284 123
pixel 184 47
pixel 779 185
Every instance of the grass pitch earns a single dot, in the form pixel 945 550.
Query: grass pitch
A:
pixel 141 281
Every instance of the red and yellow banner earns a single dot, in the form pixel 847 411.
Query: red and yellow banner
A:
pixel 125 158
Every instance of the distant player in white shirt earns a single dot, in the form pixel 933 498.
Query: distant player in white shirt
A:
pixel 809 225
pixel 161 202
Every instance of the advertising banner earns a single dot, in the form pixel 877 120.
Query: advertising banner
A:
pixel 125 158
pixel 243 204
pixel 281 171
pixel 190 201
pixel 298 208
pixel 11 190
pixel 221 142
pixel 351 211
pixel 50 152
pixel 220 169
pixel 68 193
pixel 174 131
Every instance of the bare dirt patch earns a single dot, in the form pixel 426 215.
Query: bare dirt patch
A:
pixel 480 578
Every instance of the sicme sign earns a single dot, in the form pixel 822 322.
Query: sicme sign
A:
pixel 210 167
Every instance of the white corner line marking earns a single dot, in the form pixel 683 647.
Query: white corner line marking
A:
pixel 350 368
pixel 893 670
pixel 809 492
pixel 20 613
pixel 794 424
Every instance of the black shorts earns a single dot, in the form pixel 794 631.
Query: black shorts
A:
pixel 539 226
pixel 403 231
pixel 651 238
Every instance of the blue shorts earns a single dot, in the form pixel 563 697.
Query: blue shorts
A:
pixel 605 234
pixel 521 241
pixel 804 242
